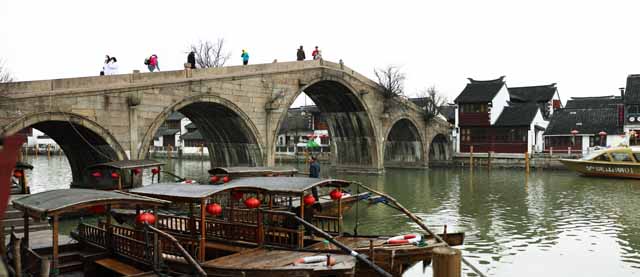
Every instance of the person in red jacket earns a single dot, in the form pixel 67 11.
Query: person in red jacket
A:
pixel 153 63
pixel 316 54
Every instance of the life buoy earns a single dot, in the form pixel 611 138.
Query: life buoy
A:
pixel 403 239
pixel 315 259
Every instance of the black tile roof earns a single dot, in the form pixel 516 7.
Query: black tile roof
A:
pixel 175 116
pixel 449 112
pixel 480 91
pixel 632 91
pixel 166 132
pixel 191 126
pixel 593 102
pixel 533 94
pixel 194 135
pixel 587 121
pixel 517 114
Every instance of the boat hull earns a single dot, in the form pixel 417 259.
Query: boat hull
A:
pixel 603 169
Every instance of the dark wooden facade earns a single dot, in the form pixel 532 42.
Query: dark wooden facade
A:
pixel 498 140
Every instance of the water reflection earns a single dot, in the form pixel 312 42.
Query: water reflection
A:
pixel 550 222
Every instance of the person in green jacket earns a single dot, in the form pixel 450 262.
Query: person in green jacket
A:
pixel 245 57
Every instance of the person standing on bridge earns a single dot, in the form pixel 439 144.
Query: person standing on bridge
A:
pixel 153 63
pixel 105 66
pixel 112 66
pixel 245 57
pixel 316 54
pixel 300 54
pixel 191 59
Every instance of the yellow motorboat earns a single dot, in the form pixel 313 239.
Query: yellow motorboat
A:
pixel 621 162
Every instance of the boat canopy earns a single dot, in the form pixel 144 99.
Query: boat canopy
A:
pixel 273 184
pixel 59 201
pixel 128 164
pixel 245 171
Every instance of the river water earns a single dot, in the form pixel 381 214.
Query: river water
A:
pixel 549 223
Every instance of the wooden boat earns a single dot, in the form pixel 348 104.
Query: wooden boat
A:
pixel 229 239
pixel 120 175
pixel 622 162
pixel 99 250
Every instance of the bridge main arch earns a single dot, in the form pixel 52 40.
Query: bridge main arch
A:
pixel 231 136
pixel 83 141
pixel 351 128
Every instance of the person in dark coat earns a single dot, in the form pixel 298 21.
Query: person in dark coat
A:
pixel 300 54
pixel 191 58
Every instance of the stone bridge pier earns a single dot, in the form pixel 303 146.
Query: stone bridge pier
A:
pixel 237 109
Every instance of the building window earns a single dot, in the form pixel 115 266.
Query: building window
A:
pixel 474 108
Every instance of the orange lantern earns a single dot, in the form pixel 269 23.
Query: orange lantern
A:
pixel 335 194
pixel 146 217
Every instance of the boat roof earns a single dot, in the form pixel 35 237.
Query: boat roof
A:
pixel 128 164
pixel 252 171
pixel 64 200
pixel 272 184
pixel 23 165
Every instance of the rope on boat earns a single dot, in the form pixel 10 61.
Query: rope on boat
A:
pixel 417 221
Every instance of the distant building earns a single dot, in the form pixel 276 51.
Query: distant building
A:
pixel 169 133
pixel 584 123
pixel 493 118
pixel 301 125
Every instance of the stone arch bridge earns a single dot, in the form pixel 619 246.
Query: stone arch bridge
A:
pixel 237 109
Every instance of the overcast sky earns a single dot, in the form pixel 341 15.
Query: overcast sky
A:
pixel 586 47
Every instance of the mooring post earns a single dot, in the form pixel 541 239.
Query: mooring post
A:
pixel 17 258
pixel 526 161
pixel 551 151
pixel 48 151
pixel 447 262
pixel 489 160
pixel 471 157
pixel 45 267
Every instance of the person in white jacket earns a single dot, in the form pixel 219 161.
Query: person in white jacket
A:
pixel 113 66
pixel 105 68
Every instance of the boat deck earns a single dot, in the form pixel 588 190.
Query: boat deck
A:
pixel 266 259
pixel 364 243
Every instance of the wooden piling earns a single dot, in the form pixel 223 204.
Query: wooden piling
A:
pixel 48 151
pixel 447 262
pixel 17 258
pixel 169 151
pixel 526 161
pixel 489 160
pixel 470 156
pixel 550 151
pixel 45 267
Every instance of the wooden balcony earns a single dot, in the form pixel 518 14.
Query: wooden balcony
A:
pixel 474 119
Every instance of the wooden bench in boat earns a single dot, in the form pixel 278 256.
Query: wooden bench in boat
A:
pixel 119 267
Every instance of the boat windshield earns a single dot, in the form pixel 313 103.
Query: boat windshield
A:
pixel 592 155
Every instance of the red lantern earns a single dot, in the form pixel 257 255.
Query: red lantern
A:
pixel 602 133
pixel 115 175
pixel 214 179
pixel 18 173
pixel 335 194
pixel 136 171
pixel 146 217
pixel 214 209
pixel 96 174
pixel 98 209
pixel 155 171
pixel 252 203
pixel 309 199
pixel 226 179
pixel 236 195
pixel 574 132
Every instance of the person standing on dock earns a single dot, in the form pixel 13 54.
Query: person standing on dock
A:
pixel 314 167
pixel 245 57
pixel 300 55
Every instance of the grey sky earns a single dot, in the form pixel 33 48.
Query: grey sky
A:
pixel 587 47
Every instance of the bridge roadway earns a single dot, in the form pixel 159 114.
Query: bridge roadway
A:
pixel 238 110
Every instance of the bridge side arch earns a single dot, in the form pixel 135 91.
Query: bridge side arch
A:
pixel 404 144
pixel 231 136
pixel 83 141
pixel 349 120
pixel 439 149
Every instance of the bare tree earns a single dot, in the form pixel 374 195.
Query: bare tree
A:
pixel 433 102
pixel 390 81
pixel 5 75
pixel 210 54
